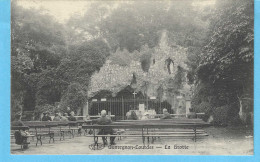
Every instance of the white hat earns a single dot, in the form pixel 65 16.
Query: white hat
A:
pixel 103 113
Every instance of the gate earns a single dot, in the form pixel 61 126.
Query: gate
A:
pixel 120 106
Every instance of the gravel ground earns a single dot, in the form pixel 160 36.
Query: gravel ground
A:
pixel 221 141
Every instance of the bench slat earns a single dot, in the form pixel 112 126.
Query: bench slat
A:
pixel 147 135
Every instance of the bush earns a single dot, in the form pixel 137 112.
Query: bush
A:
pixel 220 115
pixel 43 108
pixel 204 107
pixel 235 120
pixel 75 98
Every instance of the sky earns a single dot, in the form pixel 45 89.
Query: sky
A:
pixel 62 10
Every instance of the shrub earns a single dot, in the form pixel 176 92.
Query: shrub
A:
pixel 220 115
pixel 43 108
pixel 204 107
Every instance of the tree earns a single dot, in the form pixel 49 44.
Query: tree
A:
pixel 226 67
pixel 131 25
pixel 75 98
pixel 35 47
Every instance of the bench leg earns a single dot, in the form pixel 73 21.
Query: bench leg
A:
pixel 153 139
pixel 195 134
pixel 104 140
pixel 95 141
pixel 143 135
pixel 80 131
pixel 62 135
pixel 39 138
pixel 51 135
pixel 86 132
pixel 71 133
pixel 118 137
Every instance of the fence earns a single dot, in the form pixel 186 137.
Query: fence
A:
pixel 120 106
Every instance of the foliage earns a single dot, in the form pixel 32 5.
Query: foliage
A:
pixel 225 73
pixel 44 65
pixel 127 44
pixel 75 98
pixel 220 115
pixel 35 47
pixel 131 25
pixel 43 108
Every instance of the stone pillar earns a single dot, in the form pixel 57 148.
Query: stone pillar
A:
pixel 188 106
pixel 85 109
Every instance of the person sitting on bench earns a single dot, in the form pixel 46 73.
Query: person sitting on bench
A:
pixel 46 116
pixel 104 120
pixel 192 114
pixel 166 115
pixel 132 115
pixel 72 117
pixel 57 117
pixel 21 136
pixel 64 117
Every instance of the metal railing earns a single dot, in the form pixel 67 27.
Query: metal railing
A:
pixel 120 106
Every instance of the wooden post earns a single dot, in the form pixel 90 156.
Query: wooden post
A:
pixel 123 115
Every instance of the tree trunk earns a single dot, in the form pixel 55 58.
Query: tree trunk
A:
pixel 240 108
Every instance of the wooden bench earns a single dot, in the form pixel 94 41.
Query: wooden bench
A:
pixel 23 128
pixel 183 123
pixel 48 128
pixel 145 127
pixel 41 129
pixel 73 126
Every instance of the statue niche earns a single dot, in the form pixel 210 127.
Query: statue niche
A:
pixel 169 63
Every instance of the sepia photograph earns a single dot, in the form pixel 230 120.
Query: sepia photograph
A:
pixel 128 77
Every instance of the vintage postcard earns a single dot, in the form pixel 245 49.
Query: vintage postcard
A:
pixel 132 77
